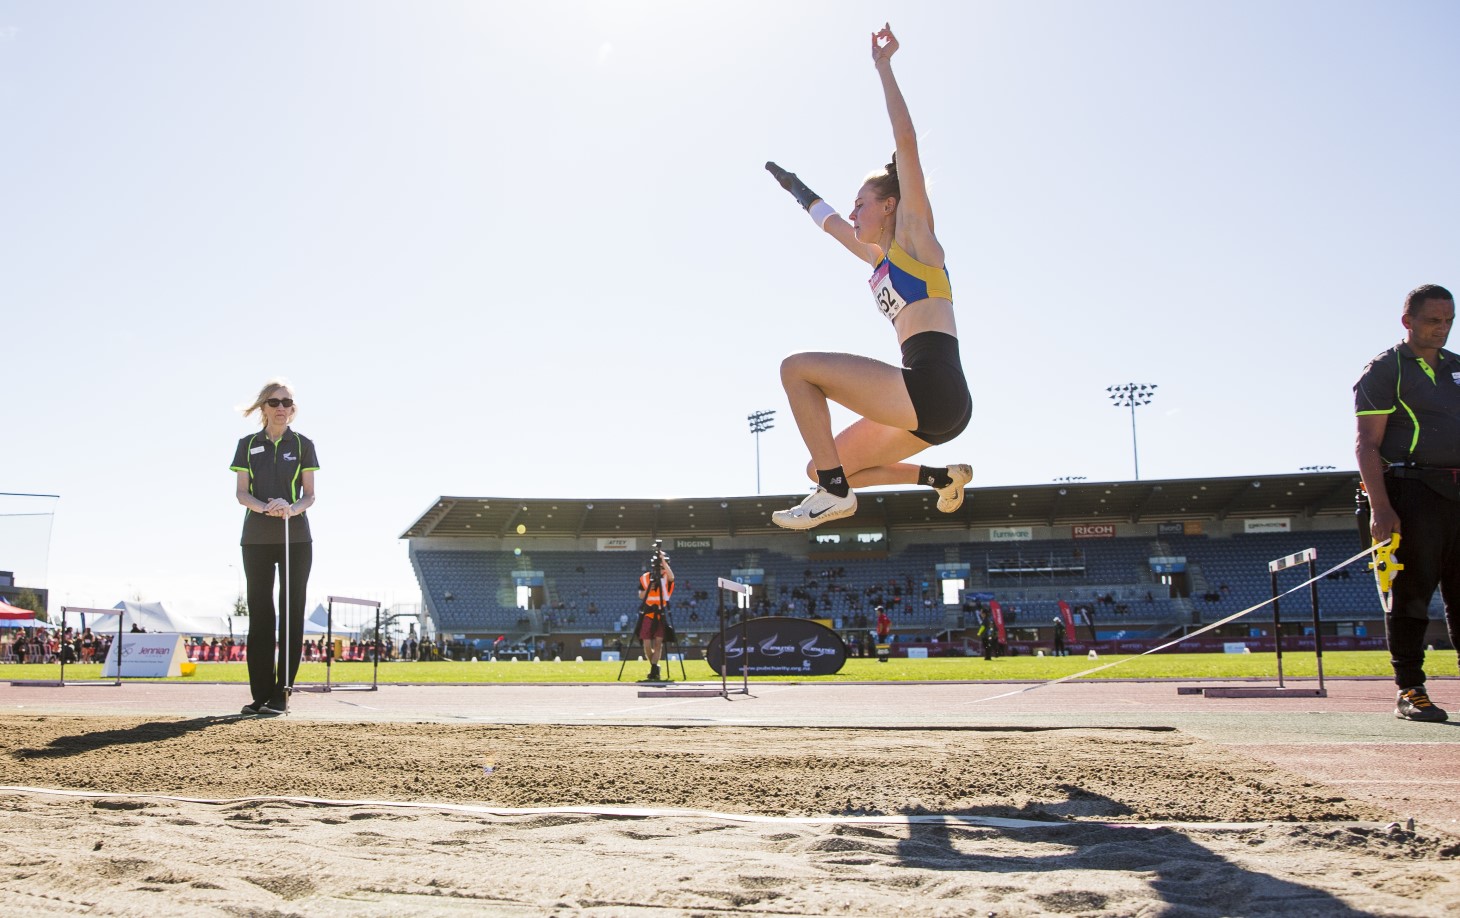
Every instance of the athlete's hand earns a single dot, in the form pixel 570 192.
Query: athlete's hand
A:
pixel 883 52
pixel 1382 523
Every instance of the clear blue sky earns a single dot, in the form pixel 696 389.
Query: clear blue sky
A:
pixel 529 249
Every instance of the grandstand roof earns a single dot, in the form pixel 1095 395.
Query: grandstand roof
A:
pixel 1301 495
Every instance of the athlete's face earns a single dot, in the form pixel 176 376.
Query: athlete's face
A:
pixel 1429 324
pixel 870 214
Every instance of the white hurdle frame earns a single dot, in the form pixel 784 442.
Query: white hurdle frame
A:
pixel 329 643
pixel 119 613
pixel 1310 557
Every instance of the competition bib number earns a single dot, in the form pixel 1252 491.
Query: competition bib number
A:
pixel 888 302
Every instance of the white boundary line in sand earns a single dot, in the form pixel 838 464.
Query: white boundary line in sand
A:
pixel 991 822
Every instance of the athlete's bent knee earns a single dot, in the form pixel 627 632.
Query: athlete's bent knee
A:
pixel 792 368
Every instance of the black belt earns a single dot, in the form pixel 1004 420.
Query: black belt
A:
pixel 1423 473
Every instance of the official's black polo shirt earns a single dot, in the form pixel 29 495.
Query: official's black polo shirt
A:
pixel 1422 404
pixel 274 470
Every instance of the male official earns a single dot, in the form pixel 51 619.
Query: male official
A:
pixel 1408 407
pixel 653 603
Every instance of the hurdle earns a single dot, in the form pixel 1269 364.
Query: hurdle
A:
pixel 724 691
pixel 62 680
pixel 329 654
pixel 1309 556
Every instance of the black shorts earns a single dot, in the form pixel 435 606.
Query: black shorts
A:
pixel 933 374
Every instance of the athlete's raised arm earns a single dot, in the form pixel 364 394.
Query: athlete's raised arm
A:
pixel 824 215
pixel 914 211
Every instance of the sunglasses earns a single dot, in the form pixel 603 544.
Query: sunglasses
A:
pixel 279 402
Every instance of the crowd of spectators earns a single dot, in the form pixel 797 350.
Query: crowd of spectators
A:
pixel 49 645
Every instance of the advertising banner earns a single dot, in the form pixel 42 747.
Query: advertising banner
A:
pixel 1273 524
pixel 1094 531
pixel 1168 565
pixel 145 655
pixel 778 646
pixel 687 544
pixel 1170 529
pixel 617 544
pixel 1011 534
pixel 1069 618
pixel 998 620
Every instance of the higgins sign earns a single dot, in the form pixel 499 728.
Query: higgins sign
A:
pixel 777 647
pixel 1094 531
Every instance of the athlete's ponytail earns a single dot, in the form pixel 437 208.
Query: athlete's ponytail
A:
pixel 884 182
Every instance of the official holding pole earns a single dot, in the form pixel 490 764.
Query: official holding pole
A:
pixel 1408 407
pixel 275 481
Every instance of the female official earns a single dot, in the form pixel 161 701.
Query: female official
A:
pixel 903 409
pixel 275 470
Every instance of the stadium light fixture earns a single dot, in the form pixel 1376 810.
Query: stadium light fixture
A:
pixel 760 422
pixel 1132 396
pixel 1070 478
pixel 1316 468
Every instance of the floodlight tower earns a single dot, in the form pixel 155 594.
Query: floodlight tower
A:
pixel 760 422
pixel 1131 395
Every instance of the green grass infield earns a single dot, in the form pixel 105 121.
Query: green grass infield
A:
pixel 938 669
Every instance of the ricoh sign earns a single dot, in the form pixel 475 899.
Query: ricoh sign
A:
pixel 1094 531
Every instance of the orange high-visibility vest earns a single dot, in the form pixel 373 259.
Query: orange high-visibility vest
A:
pixel 651 597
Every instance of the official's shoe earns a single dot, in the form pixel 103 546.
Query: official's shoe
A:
pixel 274 707
pixel 821 506
pixel 654 674
pixel 252 709
pixel 951 497
pixel 1414 704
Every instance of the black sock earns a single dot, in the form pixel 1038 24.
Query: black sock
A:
pixel 934 478
pixel 833 480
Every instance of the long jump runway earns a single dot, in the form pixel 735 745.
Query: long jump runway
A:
pixel 801 798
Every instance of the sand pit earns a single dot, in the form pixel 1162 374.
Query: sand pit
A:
pixel 1304 850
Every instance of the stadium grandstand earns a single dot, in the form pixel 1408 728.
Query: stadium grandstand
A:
pixel 1135 563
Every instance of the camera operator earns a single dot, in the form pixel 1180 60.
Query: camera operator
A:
pixel 656 586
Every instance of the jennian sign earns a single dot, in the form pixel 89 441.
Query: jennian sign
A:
pixel 146 655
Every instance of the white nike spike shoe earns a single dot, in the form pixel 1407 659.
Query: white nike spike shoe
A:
pixel 821 506
pixel 951 497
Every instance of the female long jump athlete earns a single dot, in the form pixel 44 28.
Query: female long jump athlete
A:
pixel 903 409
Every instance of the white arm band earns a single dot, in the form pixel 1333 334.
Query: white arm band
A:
pixel 820 211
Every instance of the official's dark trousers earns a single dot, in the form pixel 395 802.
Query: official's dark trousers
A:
pixel 1429 549
pixel 264 624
